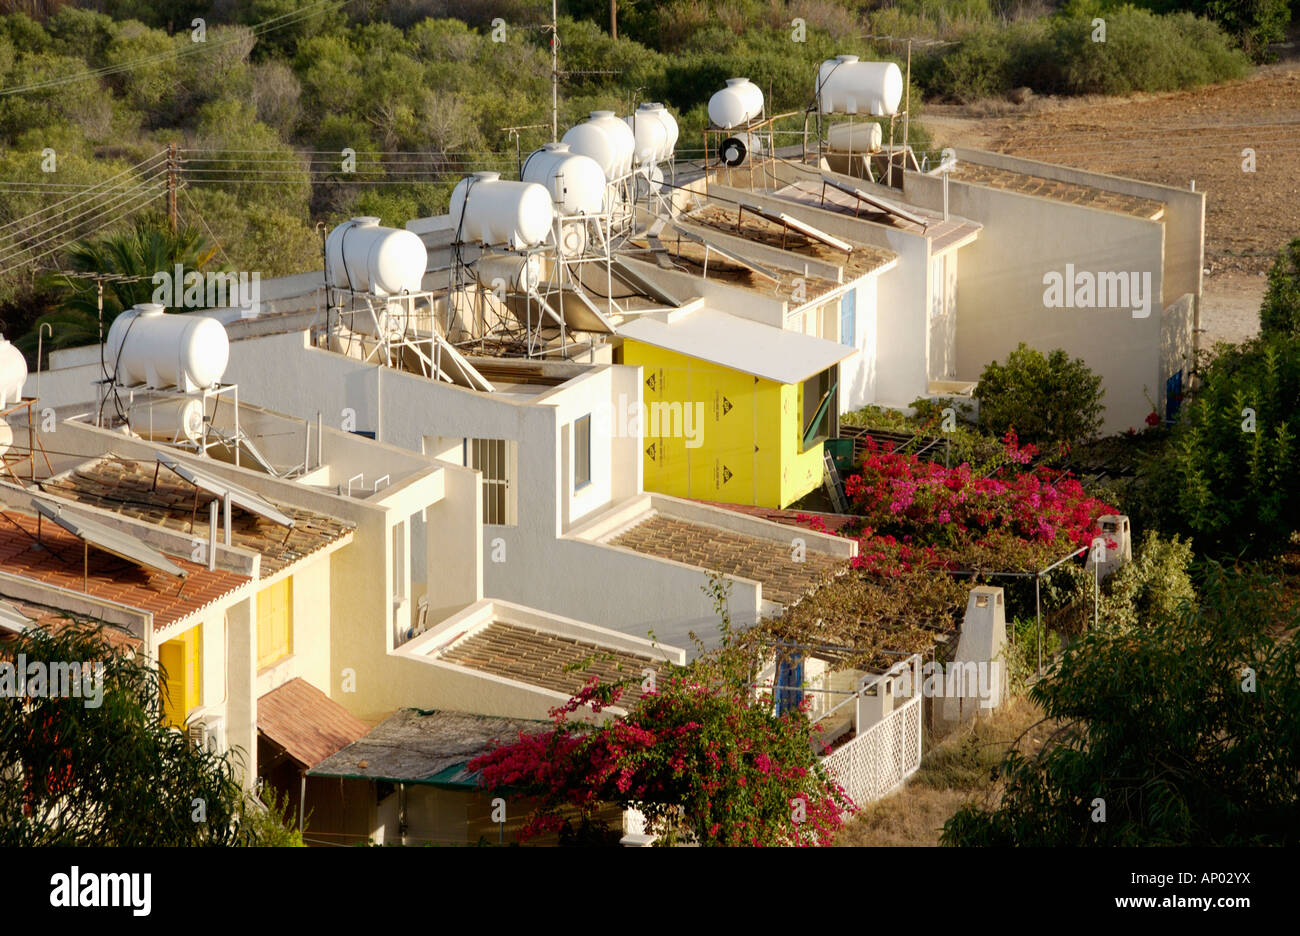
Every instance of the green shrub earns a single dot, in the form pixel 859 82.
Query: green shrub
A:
pixel 1047 399
pixel 1228 476
pixel 1188 729
pixel 1280 312
pixel 1156 584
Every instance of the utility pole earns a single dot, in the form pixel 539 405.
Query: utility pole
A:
pixel 171 186
pixel 613 19
pixel 555 72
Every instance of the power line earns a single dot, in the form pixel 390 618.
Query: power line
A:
pixel 130 169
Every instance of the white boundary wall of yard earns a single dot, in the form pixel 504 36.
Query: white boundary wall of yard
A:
pixel 1027 236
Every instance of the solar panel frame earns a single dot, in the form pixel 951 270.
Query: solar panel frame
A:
pixel 239 497
pixel 880 204
pixel 105 538
pixel 799 227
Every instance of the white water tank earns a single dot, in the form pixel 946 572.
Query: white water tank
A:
pixel 147 346
pixel 649 180
pixel 487 209
pixel 510 273
pixel 858 137
pixel 366 257
pixel 737 150
pixel 13 373
pixel 736 105
pixel 607 140
pixel 848 86
pixel 171 420
pixel 576 182
pixel 655 132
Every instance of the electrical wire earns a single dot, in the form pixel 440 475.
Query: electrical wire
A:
pixel 63 229
pixel 56 204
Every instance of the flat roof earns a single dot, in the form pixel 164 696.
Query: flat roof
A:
pixel 742 221
pixel 942 234
pixel 764 351
pixel 1075 193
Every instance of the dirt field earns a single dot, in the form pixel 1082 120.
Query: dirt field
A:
pixel 1175 139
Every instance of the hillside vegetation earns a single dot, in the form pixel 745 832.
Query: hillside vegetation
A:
pixel 263 97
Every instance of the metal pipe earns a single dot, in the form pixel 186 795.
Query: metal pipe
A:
pixel 318 438
pixel 1038 611
pixel 212 535
pixel 225 506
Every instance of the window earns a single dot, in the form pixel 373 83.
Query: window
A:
pixel 274 622
pixel 179 659
pixel 497 460
pixel 399 561
pixel 848 317
pixel 582 452
pixel 820 407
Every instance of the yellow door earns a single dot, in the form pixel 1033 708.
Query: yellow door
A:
pixel 179 660
pixel 274 622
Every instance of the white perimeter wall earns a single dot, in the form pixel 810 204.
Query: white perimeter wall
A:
pixel 1000 297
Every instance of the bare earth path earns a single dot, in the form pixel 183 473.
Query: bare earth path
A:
pixel 1175 139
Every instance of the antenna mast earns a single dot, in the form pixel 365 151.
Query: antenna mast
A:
pixel 555 71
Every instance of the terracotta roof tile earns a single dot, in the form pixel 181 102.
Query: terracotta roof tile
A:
pixel 59 561
pixel 307 723
pixel 552 661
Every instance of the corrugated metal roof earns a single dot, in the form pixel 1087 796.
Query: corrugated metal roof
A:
pixel 307 723
pixel 765 351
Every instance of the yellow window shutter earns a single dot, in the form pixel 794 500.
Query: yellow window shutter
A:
pixel 274 622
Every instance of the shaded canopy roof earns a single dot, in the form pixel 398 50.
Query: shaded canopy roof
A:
pixel 431 748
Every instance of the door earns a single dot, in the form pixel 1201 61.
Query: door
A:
pixel 789 683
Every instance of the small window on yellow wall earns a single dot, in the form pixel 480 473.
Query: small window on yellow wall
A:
pixel 180 661
pixel 274 622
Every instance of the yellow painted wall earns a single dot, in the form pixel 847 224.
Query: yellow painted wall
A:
pixel 180 660
pixel 750 435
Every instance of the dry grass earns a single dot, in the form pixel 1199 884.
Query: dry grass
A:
pixel 954 770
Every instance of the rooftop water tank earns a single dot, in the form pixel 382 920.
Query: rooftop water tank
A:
pixel 655 132
pixel 864 137
pixel 147 346
pixel 649 180
pixel 736 105
pixel 848 86
pixel 362 255
pixel 607 140
pixel 13 373
pixel 737 150
pixel 576 182
pixel 490 210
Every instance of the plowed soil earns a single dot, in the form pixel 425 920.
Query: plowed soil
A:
pixel 1176 139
